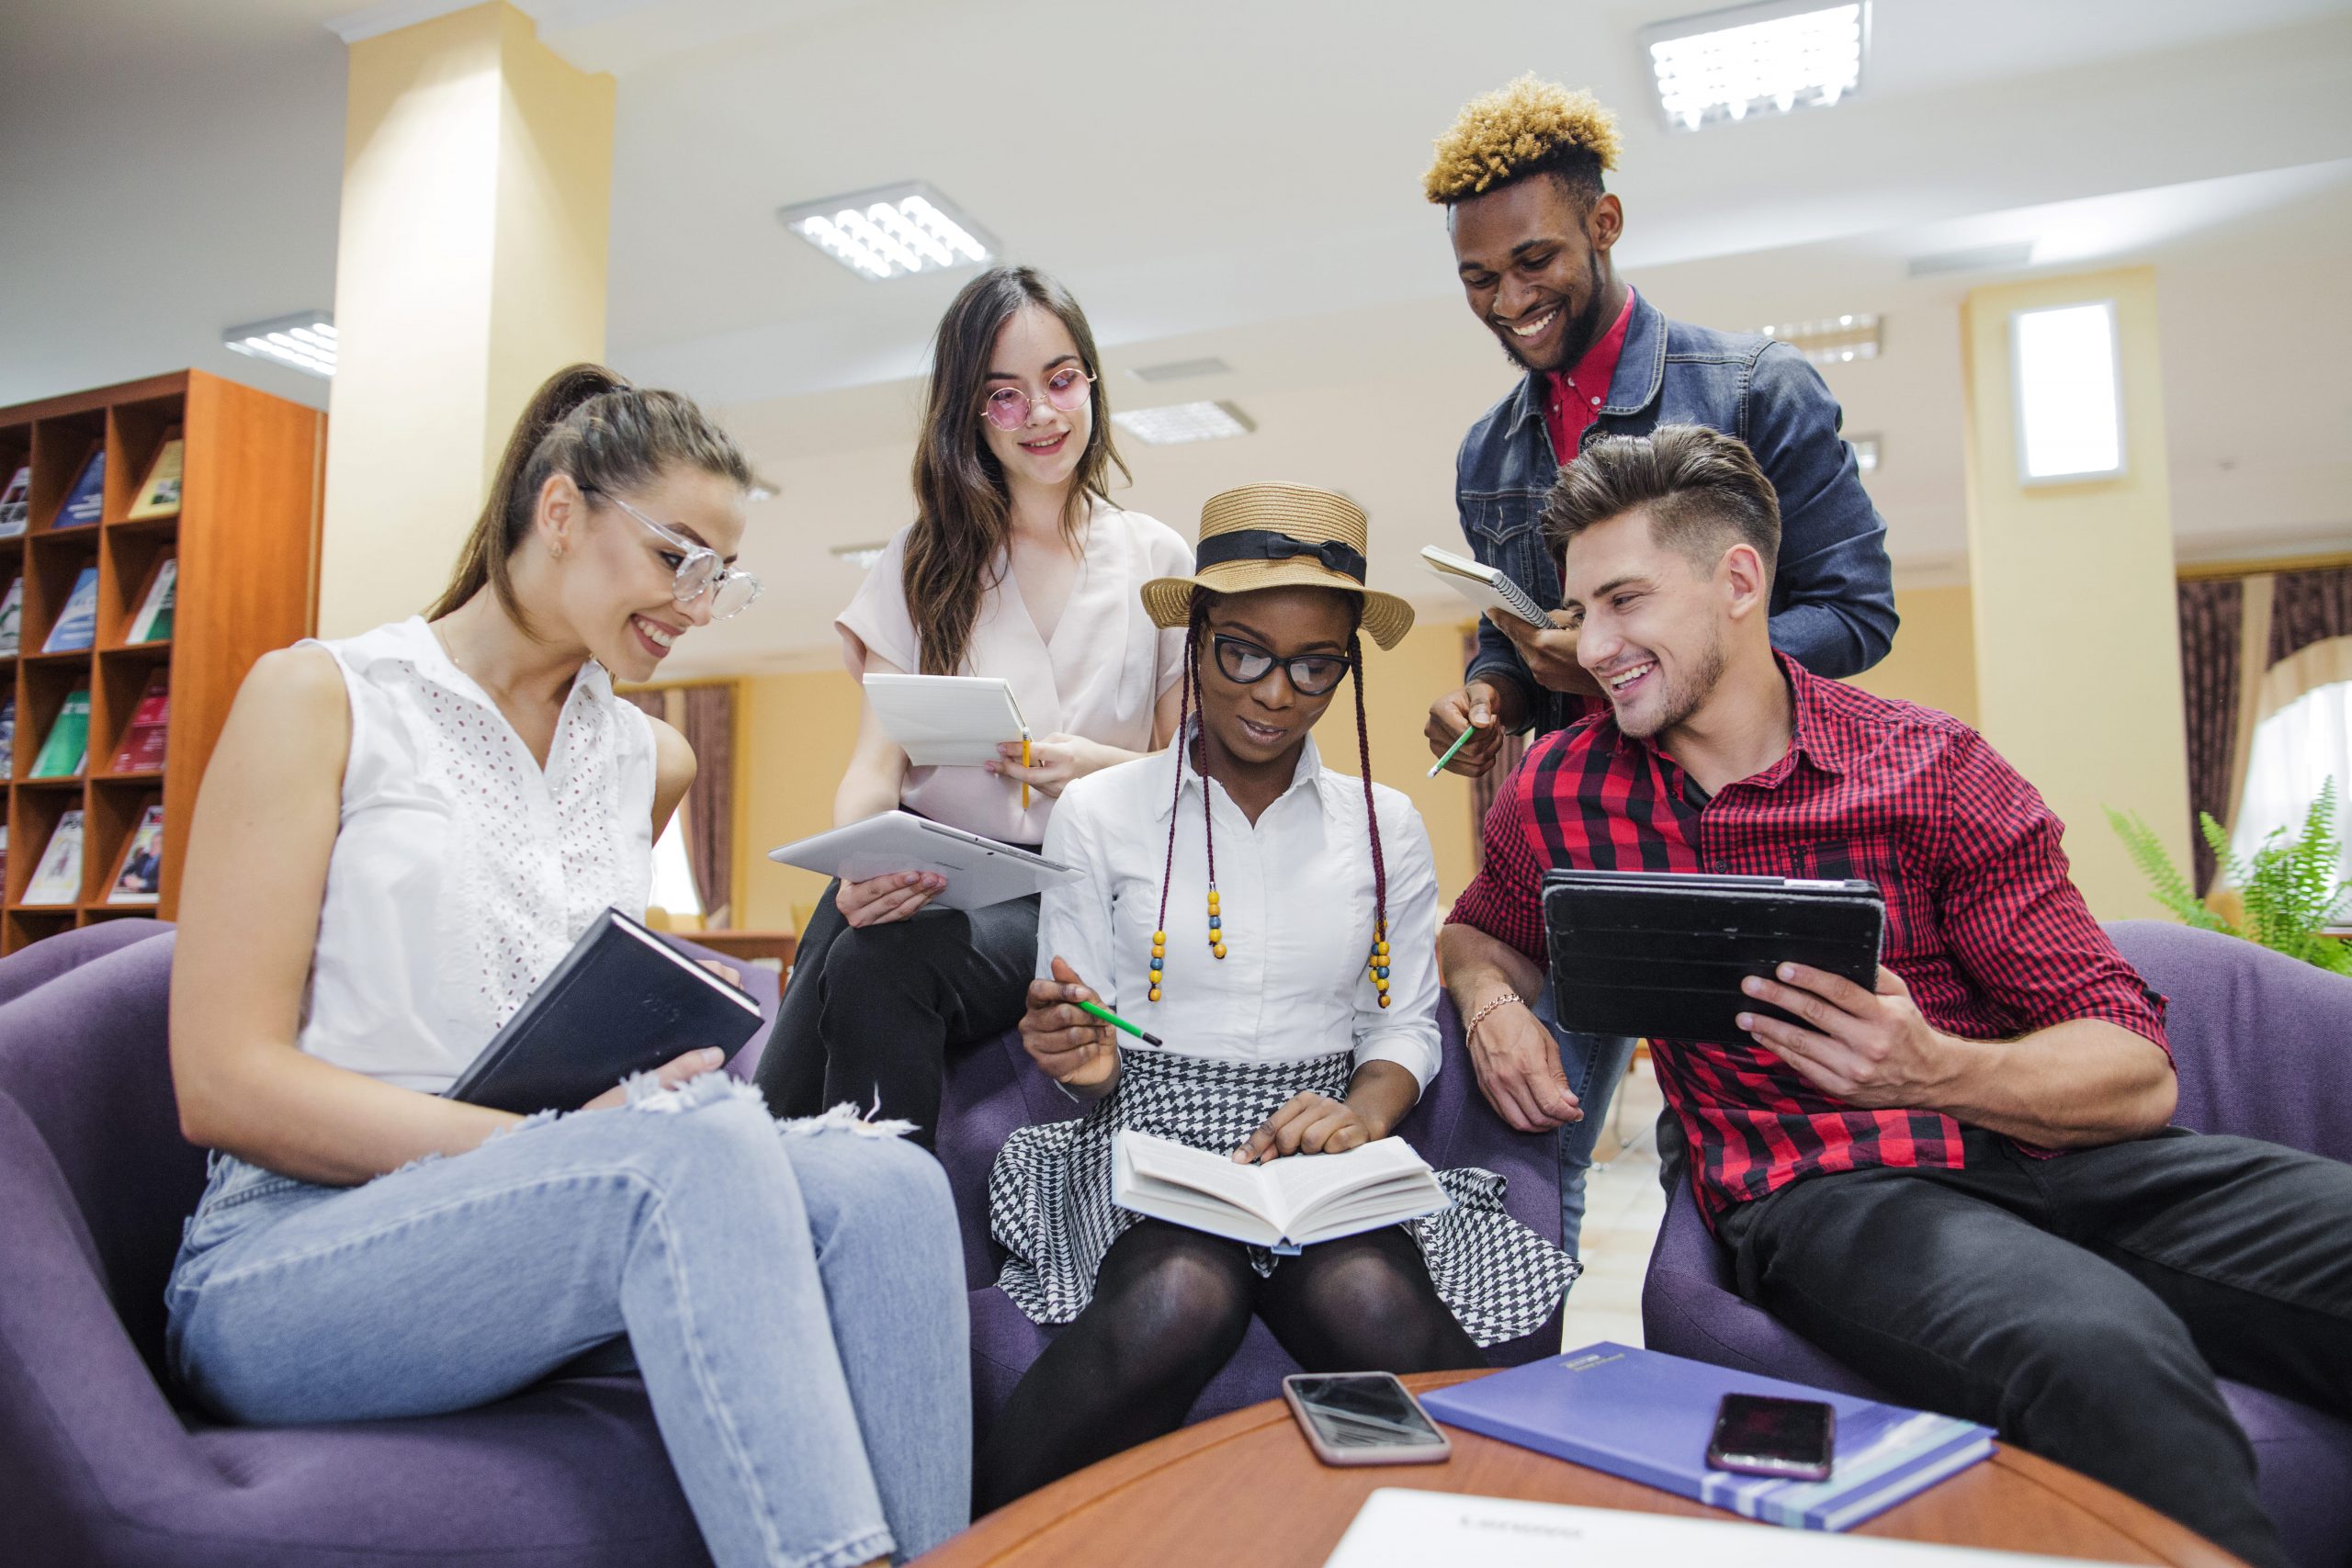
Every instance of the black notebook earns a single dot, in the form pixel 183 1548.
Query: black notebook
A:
pixel 1661 953
pixel 622 1001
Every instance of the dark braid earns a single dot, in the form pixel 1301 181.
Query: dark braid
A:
pixel 1371 808
pixel 1191 679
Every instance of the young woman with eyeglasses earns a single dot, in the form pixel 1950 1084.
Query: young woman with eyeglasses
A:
pixel 398 834
pixel 1275 924
pixel 1018 564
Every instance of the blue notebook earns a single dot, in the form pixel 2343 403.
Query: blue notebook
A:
pixel 1646 1416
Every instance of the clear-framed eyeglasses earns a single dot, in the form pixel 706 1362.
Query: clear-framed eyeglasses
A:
pixel 1008 408
pixel 699 571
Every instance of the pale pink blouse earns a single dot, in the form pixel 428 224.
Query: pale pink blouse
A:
pixel 1099 675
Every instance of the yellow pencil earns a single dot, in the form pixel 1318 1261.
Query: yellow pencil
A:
pixel 1024 783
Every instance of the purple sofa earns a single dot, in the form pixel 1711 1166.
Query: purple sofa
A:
pixel 2264 1045
pixel 100 1464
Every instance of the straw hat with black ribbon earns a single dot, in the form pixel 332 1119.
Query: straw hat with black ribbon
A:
pixel 1277 535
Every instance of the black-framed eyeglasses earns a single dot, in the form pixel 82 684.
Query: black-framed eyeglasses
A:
pixel 1008 408
pixel 1310 674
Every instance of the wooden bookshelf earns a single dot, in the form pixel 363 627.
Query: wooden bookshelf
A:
pixel 246 541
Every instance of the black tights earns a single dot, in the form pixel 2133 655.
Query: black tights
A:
pixel 1170 1308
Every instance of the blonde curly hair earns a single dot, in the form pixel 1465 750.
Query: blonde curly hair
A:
pixel 1529 127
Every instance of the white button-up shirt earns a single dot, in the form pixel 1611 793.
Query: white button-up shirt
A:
pixel 1295 892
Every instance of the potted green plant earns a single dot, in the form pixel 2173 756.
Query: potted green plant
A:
pixel 2291 891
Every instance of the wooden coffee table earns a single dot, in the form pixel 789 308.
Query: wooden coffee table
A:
pixel 1245 1488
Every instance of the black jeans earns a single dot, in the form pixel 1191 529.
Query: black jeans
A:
pixel 2081 1305
pixel 870 1013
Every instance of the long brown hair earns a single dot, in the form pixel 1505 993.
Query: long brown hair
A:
pixel 962 509
pixel 591 423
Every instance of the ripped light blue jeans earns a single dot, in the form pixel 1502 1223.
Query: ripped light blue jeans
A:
pixel 792 1294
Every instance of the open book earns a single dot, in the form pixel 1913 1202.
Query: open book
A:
pixel 1291 1202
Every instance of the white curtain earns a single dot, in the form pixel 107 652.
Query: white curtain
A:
pixel 2295 751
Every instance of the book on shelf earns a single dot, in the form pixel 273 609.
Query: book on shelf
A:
pixel 138 875
pixel 15 502
pixel 77 623
pixel 8 733
pixel 142 750
pixel 86 501
pixel 66 751
pixel 1288 1203
pixel 1646 1416
pixel 3 854
pixel 12 617
pixel 58 878
pixel 159 492
pixel 154 620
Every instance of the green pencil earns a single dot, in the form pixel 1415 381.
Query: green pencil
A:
pixel 1115 1021
pixel 1459 742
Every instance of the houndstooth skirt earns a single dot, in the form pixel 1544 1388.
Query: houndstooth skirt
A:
pixel 1050 1205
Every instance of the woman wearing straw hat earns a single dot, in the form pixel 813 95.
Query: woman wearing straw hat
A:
pixel 1275 924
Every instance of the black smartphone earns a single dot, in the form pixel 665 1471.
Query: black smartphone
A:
pixel 1792 1439
pixel 1363 1418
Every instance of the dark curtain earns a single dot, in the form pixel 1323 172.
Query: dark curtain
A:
pixel 1484 788
pixel 2212 611
pixel 710 803
pixel 2308 607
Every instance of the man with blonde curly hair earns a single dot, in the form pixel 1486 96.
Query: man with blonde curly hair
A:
pixel 1521 176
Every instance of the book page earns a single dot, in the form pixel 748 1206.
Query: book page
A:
pixel 1242 1187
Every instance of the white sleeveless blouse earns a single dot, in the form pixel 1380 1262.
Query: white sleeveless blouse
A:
pixel 462 872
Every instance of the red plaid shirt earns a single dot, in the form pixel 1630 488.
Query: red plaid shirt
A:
pixel 1982 922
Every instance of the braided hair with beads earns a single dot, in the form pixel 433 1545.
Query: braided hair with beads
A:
pixel 1189 704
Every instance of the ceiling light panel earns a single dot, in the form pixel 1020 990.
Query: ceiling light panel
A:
pixel 1839 340
pixel 303 341
pixel 1176 422
pixel 1757 60
pixel 892 231
pixel 1181 369
pixel 1866 452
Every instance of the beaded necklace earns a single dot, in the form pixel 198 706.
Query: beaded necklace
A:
pixel 1188 702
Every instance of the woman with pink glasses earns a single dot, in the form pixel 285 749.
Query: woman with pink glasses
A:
pixel 1018 565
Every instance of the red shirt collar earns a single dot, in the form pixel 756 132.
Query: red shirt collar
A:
pixel 1585 384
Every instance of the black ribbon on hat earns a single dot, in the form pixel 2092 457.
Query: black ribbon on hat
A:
pixel 1266 544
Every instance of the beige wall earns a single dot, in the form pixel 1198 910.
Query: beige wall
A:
pixel 795 733
pixel 2077 620
pixel 1933 661
pixel 470 265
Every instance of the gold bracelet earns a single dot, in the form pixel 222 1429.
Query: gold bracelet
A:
pixel 1480 1016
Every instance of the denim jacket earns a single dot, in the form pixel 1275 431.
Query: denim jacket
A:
pixel 1833 593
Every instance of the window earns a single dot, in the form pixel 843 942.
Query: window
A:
pixel 2295 752
pixel 673 877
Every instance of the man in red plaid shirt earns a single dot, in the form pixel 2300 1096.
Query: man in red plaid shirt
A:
pixel 1960 1182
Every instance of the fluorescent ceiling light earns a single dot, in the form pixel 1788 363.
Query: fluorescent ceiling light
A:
pixel 303 341
pixel 1175 423
pixel 1866 452
pixel 1839 340
pixel 1757 60
pixel 2069 394
pixel 1180 369
pixel 860 556
pixel 891 232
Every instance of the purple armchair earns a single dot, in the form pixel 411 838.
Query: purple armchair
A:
pixel 995 1089
pixel 2264 1046
pixel 98 1466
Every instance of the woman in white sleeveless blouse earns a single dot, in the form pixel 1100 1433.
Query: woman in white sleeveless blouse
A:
pixel 399 835
pixel 1017 566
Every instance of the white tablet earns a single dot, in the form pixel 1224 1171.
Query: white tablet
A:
pixel 946 720
pixel 979 870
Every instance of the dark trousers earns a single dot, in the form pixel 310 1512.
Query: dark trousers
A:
pixel 870 1013
pixel 2081 1305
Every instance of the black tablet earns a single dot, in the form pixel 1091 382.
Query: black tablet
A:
pixel 1661 953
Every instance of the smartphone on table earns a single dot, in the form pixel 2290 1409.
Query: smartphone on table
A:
pixel 1794 1439
pixel 1363 1418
